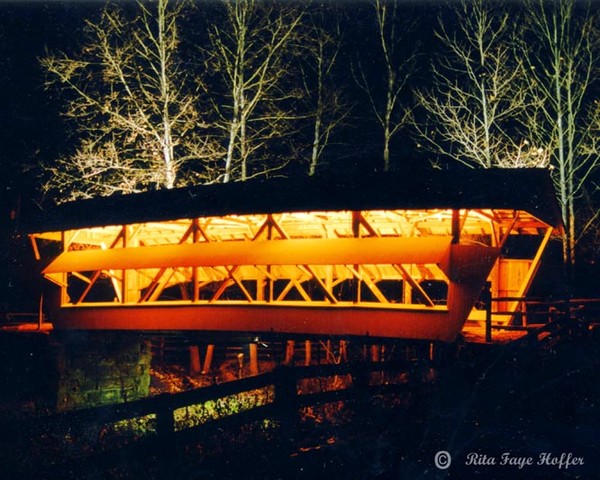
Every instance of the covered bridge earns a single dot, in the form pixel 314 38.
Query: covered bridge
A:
pixel 396 255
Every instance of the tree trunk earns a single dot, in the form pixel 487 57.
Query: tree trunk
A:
pixel 315 147
pixel 388 120
pixel 243 146
pixel 230 149
pixel 167 139
pixel 318 117
pixel 170 173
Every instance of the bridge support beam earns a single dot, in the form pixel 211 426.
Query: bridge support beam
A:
pixel 289 352
pixel 307 353
pixel 253 359
pixel 208 359
pixel 194 360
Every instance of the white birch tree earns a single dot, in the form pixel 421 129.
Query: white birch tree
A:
pixel 390 110
pixel 130 100
pixel 561 52
pixel 520 97
pixel 327 104
pixel 479 90
pixel 250 53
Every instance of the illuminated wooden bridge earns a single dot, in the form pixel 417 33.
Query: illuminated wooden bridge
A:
pixel 383 256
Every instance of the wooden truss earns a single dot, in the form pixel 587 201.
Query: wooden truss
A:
pixel 395 259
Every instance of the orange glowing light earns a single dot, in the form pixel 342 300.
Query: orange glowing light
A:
pixel 411 273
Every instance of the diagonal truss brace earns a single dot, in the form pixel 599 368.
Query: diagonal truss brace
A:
pixel 159 281
pixel 361 220
pixel 328 295
pixel 120 236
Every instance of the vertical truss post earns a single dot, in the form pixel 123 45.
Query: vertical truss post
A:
pixel 64 298
pixel 125 242
pixel 130 292
pixel 486 297
pixel 455 226
pixel 356 283
pixel 195 279
pixel 270 283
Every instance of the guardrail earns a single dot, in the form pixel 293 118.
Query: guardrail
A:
pixel 543 315
pixel 12 319
pixel 273 395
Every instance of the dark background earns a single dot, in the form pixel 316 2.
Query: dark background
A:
pixel 32 129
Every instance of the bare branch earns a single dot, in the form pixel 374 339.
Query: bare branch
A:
pixel 132 104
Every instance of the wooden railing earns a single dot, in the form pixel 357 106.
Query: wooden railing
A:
pixel 538 315
pixel 279 398
pixel 10 319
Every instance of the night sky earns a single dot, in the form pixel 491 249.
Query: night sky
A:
pixel 31 125
pixel 33 129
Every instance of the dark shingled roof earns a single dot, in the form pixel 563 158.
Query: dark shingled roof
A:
pixel 521 189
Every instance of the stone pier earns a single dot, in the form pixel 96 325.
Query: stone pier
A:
pixel 100 368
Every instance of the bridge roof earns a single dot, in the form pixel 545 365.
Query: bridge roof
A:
pixel 530 190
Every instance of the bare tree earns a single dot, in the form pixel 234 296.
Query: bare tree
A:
pixel 562 61
pixel 327 105
pixel 250 52
pixel 132 106
pixel 390 111
pixel 478 91
pixel 497 105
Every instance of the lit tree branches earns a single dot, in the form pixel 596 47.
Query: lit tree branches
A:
pixel 132 106
pixel 519 96
pixel 263 88
pixel 328 107
pixel 479 91
pixel 560 51
pixel 390 109
pixel 250 52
